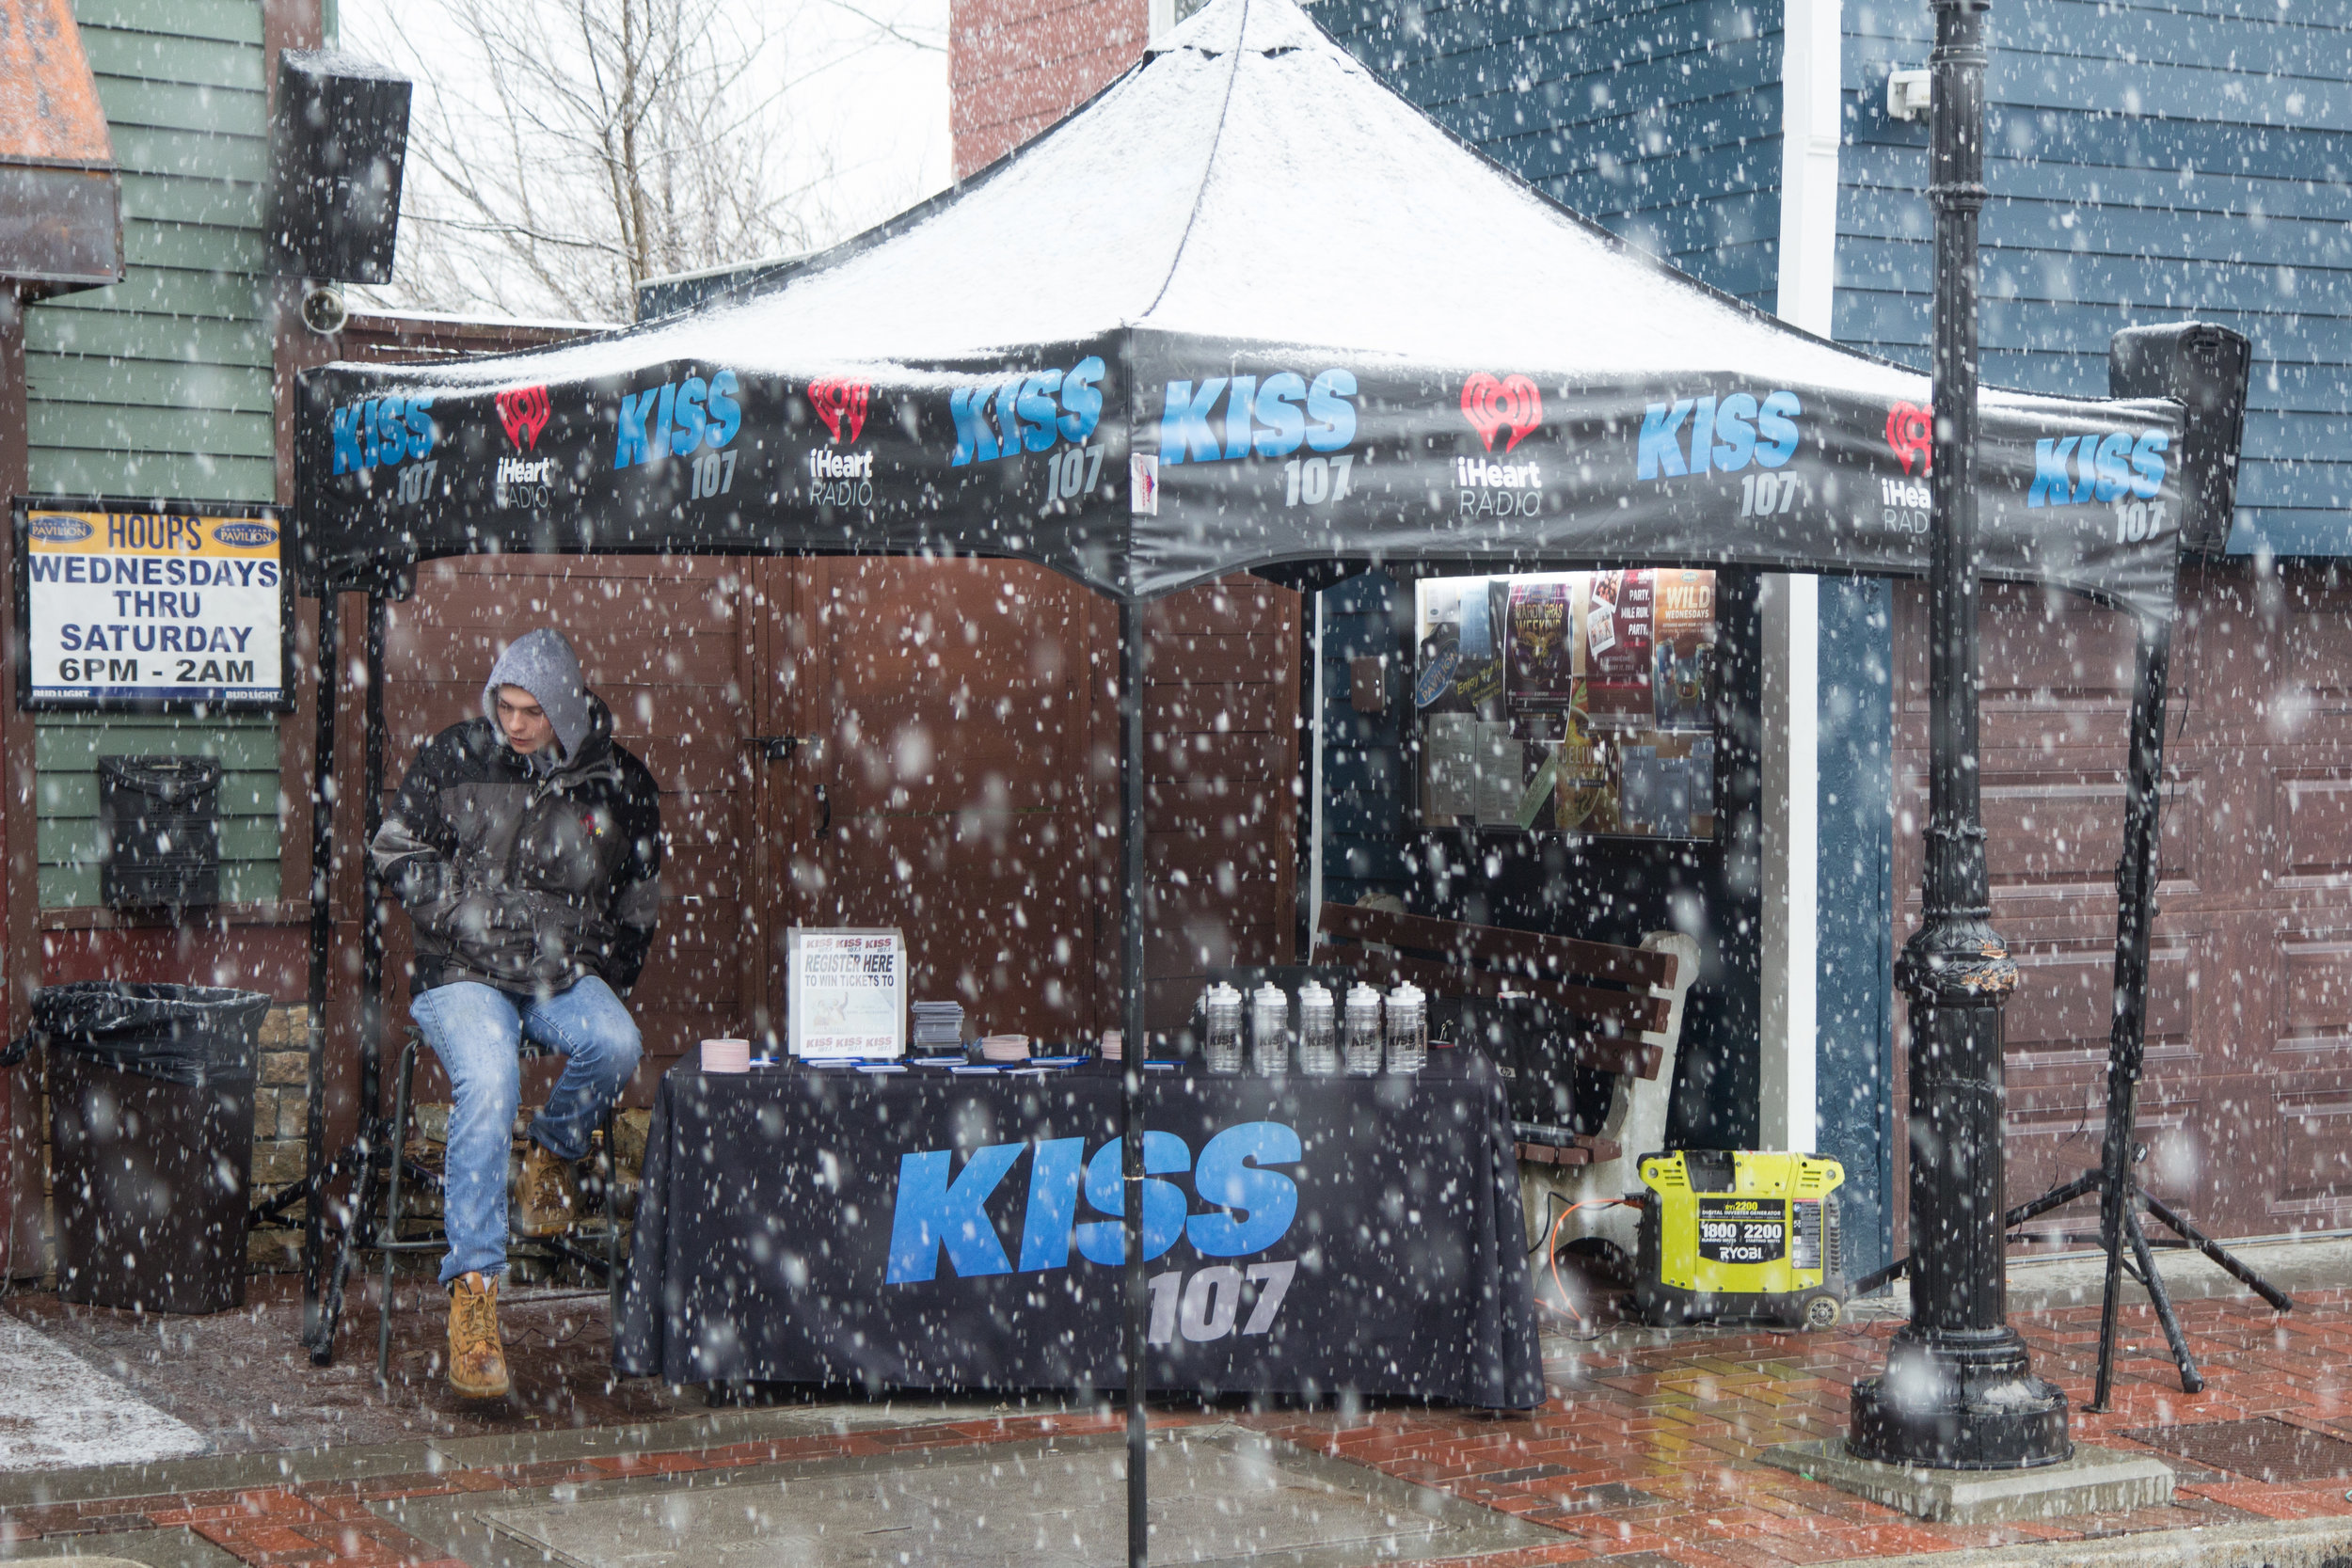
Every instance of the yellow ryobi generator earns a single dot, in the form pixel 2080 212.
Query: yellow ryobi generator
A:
pixel 1736 1234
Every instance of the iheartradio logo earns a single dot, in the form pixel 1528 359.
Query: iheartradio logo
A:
pixel 1911 435
pixel 840 403
pixel 1513 404
pixel 524 412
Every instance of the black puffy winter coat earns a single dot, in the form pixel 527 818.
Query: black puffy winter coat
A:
pixel 524 880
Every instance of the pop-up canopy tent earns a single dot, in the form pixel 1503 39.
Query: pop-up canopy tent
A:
pixel 1246 310
pixel 1246 307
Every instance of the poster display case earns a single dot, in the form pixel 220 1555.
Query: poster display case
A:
pixel 1568 701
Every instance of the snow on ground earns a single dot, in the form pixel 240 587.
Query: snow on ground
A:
pixel 60 1412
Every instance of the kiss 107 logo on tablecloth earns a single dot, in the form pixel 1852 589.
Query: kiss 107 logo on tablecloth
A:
pixel 940 1215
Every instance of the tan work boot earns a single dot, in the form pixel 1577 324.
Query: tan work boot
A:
pixel 477 1358
pixel 548 1199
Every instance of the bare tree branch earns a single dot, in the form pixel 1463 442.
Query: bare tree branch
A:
pixel 585 146
pixel 891 30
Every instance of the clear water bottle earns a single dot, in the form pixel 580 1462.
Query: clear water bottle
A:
pixel 1318 1032
pixel 1362 1034
pixel 1270 1031
pixel 1220 1047
pixel 1409 1029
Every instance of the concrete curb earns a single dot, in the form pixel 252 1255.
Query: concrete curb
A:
pixel 2094 1481
pixel 2265 1544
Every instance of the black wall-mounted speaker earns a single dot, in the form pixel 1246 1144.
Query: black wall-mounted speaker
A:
pixel 2206 366
pixel 337 143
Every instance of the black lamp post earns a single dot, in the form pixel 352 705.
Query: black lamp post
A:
pixel 1958 1392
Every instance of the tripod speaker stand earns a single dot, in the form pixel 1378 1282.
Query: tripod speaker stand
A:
pixel 2121 1197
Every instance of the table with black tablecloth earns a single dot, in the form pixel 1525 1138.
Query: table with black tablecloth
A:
pixel 918 1229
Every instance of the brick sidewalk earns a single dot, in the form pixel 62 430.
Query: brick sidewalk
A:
pixel 1649 1446
pixel 1647 1452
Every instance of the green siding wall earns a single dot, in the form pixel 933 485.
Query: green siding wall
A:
pixel 160 385
pixel 72 844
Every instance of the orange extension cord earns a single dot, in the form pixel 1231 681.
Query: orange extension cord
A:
pixel 1551 1256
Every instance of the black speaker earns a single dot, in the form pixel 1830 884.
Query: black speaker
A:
pixel 337 144
pixel 2206 366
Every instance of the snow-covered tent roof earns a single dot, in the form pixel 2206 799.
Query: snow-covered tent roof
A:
pixel 1245 307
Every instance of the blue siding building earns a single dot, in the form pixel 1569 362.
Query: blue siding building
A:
pixel 1661 117
pixel 2149 160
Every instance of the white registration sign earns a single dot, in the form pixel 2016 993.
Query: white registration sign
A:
pixel 847 992
pixel 151 608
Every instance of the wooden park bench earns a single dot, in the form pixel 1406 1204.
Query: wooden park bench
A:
pixel 1618 1009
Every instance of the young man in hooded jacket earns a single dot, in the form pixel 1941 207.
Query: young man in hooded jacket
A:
pixel 527 848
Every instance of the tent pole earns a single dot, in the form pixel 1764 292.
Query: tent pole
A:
pixel 1133 1049
pixel 372 887
pixel 322 937
pixel 2135 915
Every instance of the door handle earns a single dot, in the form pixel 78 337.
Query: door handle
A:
pixel 780 748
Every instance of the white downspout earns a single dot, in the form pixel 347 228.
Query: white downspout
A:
pixel 1791 612
pixel 1812 42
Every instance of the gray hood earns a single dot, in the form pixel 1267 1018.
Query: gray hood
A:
pixel 543 664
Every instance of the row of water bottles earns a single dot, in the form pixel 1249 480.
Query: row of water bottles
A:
pixel 1375 1031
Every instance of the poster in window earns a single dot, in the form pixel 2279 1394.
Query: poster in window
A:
pixel 1602 719
pixel 1540 654
pixel 1618 633
pixel 1682 678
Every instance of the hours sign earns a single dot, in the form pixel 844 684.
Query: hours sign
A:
pixel 167 608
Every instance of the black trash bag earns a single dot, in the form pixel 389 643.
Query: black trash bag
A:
pixel 190 1035
pixel 150 1138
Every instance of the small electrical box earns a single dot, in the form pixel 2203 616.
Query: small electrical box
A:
pixel 162 821
pixel 1737 1234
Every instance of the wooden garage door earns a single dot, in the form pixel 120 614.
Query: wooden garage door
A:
pixel 944 774
pixel 2246 1108
pixel 667 645
pixel 1221 806
pixel 956 772
pixel 931 745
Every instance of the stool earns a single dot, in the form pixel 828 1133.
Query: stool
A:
pixel 609 1263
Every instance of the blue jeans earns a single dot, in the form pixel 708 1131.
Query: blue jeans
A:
pixel 478 1031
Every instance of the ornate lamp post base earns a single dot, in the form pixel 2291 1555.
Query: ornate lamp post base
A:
pixel 1958 1401
pixel 1958 1392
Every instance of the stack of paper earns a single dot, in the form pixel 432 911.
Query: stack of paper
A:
pixel 938 1027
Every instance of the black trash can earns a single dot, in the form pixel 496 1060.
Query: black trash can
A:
pixel 150 1135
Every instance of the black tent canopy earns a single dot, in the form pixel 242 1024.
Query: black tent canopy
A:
pixel 1246 307
pixel 1246 310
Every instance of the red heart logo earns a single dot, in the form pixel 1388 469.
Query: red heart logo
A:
pixel 524 413
pixel 1911 432
pixel 836 401
pixel 1512 403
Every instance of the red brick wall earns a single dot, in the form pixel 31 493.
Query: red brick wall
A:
pixel 1014 67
